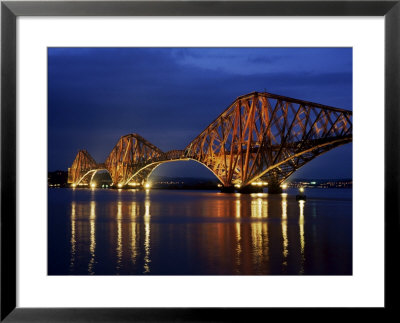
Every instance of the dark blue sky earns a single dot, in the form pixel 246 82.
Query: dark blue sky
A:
pixel 169 95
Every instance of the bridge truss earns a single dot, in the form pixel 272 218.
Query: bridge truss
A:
pixel 260 136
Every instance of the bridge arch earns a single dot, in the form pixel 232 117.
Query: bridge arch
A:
pixel 89 178
pixel 86 178
pixel 142 175
pixel 281 171
pixel 101 177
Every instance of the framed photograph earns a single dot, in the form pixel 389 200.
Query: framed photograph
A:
pixel 164 160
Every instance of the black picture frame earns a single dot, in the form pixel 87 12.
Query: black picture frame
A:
pixel 10 10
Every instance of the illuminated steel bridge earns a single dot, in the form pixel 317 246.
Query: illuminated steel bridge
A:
pixel 260 137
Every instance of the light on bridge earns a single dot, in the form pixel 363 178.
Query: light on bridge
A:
pixel 284 186
pixel 73 185
pixel 147 185
pixel 301 196
pixel 237 185
pixel 260 183
pixel 119 185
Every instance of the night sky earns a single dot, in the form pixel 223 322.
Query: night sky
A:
pixel 170 95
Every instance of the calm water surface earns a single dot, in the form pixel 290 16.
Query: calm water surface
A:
pixel 167 232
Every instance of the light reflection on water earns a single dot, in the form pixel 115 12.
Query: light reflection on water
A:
pixel 73 237
pixel 119 236
pixel 301 228
pixel 92 247
pixel 195 233
pixel 133 232
pixel 284 231
pixel 147 233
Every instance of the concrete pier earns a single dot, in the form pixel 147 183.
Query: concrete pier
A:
pixel 274 188
pixel 228 189
pixel 250 189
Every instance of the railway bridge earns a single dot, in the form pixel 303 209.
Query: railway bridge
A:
pixel 260 137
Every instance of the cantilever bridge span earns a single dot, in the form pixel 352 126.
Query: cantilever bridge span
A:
pixel 260 136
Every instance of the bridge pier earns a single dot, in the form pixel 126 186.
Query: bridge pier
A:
pixel 244 190
pixel 274 188
pixel 250 189
pixel 227 189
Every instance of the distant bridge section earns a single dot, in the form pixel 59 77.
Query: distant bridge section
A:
pixel 83 165
pixel 260 136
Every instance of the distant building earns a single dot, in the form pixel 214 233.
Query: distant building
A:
pixel 322 183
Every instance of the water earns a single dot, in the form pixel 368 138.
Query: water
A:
pixel 167 232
